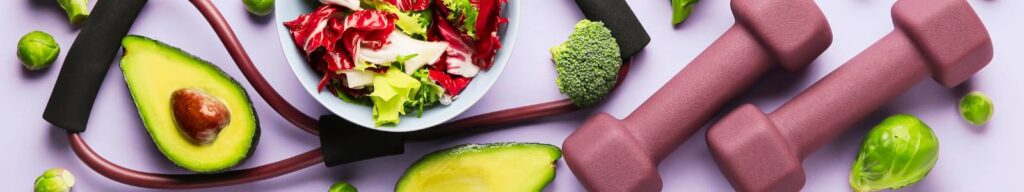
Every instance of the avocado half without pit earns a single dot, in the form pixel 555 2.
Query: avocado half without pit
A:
pixel 486 167
pixel 198 116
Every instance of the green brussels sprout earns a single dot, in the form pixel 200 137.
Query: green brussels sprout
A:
pixel 37 50
pixel 55 180
pixel 77 10
pixel 896 153
pixel 976 108
pixel 343 187
pixel 259 7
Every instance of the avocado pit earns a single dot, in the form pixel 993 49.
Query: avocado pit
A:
pixel 199 116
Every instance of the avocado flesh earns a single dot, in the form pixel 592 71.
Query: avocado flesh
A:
pixel 153 71
pixel 497 167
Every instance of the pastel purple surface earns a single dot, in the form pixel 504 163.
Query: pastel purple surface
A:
pixel 971 159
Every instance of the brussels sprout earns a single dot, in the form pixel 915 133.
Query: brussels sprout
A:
pixel 77 10
pixel 55 180
pixel 896 153
pixel 976 108
pixel 343 187
pixel 37 50
pixel 259 7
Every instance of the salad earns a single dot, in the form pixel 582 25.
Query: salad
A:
pixel 399 55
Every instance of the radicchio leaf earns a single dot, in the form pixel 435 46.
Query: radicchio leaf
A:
pixel 337 61
pixel 368 28
pixel 458 50
pixel 487 43
pixel 317 34
pixel 447 32
pixel 317 29
pixel 487 29
pixel 453 85
pixel 410 5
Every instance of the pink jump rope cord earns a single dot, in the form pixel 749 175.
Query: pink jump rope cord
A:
pixel 296 117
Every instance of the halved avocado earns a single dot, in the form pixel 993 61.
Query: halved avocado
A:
pixel 486 167
pixel 153 71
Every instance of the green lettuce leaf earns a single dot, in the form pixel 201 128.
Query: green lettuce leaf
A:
pixel 391 91
pixel 427 96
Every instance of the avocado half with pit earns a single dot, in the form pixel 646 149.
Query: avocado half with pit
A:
pixel 487 167
pixel 155 71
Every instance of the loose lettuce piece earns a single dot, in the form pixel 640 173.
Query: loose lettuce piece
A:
pixel 391 91
pixel 78 10
pixel 681 10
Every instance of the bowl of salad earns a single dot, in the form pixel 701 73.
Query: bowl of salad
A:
pixel 397 65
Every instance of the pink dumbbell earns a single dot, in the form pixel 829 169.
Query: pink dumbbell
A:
pixel 606 154
pixel 941 38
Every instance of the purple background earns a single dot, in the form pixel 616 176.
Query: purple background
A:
pixel 972 158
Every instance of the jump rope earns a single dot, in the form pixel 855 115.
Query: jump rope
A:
pixel 95 48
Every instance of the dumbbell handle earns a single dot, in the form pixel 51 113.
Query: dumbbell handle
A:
pixel 682 106
pixel 832 105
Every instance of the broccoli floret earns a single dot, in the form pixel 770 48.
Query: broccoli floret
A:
pixel 587 64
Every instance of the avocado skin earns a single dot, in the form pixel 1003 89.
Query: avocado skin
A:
pixel 404 184
pixel 255 137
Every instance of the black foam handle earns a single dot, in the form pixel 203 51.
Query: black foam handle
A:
pixel 88 61
pixel 619 18
pixel 343 142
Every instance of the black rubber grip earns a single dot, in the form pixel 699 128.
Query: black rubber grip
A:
pixel 343 142
pixel 618 17
pixel 88 61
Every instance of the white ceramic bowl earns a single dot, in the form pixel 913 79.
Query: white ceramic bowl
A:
pixel 362 115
